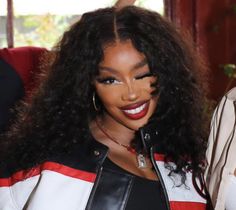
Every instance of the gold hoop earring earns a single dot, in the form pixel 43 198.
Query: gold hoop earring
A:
pixel 94 102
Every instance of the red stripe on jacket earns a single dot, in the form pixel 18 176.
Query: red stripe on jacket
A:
pixel 187 205
pixel 51 166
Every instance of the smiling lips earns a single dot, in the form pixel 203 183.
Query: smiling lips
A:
pixel 136 111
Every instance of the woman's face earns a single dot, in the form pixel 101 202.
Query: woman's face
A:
pixel 124 86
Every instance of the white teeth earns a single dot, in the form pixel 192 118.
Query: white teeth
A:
pixel 136 110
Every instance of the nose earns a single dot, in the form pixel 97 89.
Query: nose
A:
pixel 130 93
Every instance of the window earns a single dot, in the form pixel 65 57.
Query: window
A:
pixel 41 23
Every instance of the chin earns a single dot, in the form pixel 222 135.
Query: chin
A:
pixel 137 125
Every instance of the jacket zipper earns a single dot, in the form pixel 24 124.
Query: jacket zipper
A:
pixel 90 200
pixel 160 178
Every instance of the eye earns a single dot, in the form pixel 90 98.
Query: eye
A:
pixel 144 75
pixel 108 80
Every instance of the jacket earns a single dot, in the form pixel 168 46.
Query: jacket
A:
pixel 221 156
pixel 78 181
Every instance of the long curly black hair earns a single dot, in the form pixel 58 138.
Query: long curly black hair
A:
pixel 59 113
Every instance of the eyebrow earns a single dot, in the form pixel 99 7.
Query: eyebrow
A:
pixel 140 64
pixel 136 66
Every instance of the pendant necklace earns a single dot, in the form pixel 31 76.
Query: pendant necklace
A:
pixel 140 157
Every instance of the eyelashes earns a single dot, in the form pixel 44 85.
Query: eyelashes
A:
pixel 107 80
pixel 113 80
pixel 148 74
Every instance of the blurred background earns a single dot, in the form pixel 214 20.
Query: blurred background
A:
pixel 40 23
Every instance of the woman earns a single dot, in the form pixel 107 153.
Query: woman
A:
pixel 117 123
pixel 221 156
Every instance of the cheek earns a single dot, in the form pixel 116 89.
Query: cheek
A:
pixel 145 85
pixel 108 95
pixel 153 86
pixel 155 101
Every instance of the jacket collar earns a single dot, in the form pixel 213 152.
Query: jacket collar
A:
pixel 148 135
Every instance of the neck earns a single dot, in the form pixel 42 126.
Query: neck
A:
pixel 116 129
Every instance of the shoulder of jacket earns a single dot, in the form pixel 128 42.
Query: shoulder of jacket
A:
pixel 231 95
pixel 226 104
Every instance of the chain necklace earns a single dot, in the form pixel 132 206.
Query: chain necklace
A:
pixel 140 157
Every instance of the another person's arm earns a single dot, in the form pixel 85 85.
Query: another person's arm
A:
pixel 220 154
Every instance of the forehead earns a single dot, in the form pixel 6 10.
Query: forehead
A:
pixel 121 55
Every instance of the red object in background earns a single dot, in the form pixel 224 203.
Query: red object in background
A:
pixel 18 70
pixel 25 61
pixel 212 24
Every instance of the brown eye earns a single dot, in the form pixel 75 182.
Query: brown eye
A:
pixel 108 80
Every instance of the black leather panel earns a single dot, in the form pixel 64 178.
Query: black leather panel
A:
pixel 87 156
pixel 112 191
pixel 149 136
